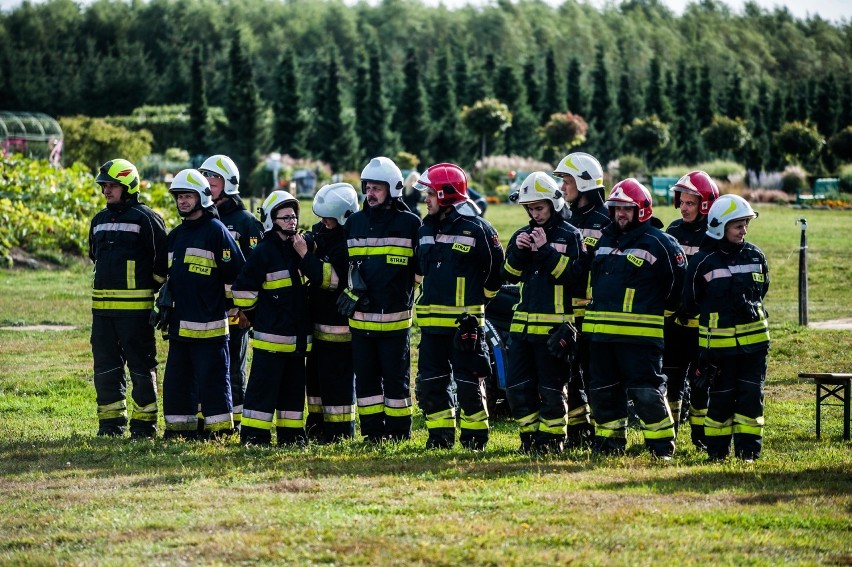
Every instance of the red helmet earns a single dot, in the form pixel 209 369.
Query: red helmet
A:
pixel 449 182
pixel 700 184
pixel 631 193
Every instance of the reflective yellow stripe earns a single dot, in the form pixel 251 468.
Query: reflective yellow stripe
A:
pixel 131 274
pixel 508 267
pixel 441 419
pixel 559 298
pixel 460 291
pixel 198 260
pixel 477 421
pixel 561 265
pixel 629 293
pixel 380 251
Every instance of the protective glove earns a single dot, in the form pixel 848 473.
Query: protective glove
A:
pixel 563 342
pixel 750 310
pixel 707 370
pixel 466 338
pixel 162 311
pixel 347 302
pixel 355 293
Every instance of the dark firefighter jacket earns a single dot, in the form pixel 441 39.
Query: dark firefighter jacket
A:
pixel 725 286
pixel 460 258
pixel 271 291
pixel 545 276
pixel 326 267
pixel 590 220
pixel 381 244
pixel 636 276
pixel 202 259
pixel 127 243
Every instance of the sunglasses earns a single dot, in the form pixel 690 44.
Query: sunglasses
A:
pixel 210 174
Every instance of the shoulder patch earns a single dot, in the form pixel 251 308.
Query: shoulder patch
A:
pixel 226 255
pixel 252 241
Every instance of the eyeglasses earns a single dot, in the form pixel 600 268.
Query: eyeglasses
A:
pixel 287 218
pixel 210 174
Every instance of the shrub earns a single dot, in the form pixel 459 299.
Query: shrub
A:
pixel 793 179
pixel 845 176
pixel 767 196
pixel 628 165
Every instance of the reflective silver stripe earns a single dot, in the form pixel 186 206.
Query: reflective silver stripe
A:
pixel 455 238
pixel 716 274
pixel 559 247
pixel 332 329
pixel 118 226
pixel 221 418
pixel 238 409
pixel 280 275
pixel 181 418
pixel 690 250
pixel 201 253
pixel 594 233
pixel 171 255
pixel 334 283
pixel 746 268
pixel 382 317
pixel 258 415
pixel 357 242
pixel 234 234
pixel 314 401
pixel 371 400
pixel 193 326
pixel 272 338
pixel 427 240
pixel 244 294
pixel 339 410
pixel 396 403
pixel 294 415
pixel 605 250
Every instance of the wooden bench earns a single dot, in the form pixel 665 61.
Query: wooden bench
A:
pixel 831 386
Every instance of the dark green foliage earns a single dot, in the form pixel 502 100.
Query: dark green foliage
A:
pixel 576 94
pixel 736 105
pixel 447 143
pixel 800 143
pixel 412 110
pixel 335 128
pixel 685 123
pixel 603 133
pixel 242 110
pixel 657 100
pixel 534 96
pixel 705 97
pixel 758 148
pixel 826 108
pixel 554 95
pixel 197 108
pixel 522 137
pixel 290 122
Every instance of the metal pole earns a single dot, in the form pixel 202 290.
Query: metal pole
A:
pixel 803 274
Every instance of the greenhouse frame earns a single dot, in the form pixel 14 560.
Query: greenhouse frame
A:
pixel 33 134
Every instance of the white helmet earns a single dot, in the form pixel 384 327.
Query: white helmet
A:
pixel 191 180
pixel 727 208
pixel 585 170
pixel 224 166
pixel 383 170
pixel 275 200
pixel 337 201
pixel 539 186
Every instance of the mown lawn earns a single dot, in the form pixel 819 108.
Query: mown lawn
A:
pixel 73 498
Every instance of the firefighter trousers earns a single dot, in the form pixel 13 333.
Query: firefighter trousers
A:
pixel 383 385
pixel 535 390
pixel 197 372
pixel 580 428
pixel 116 342
pixel 238 348
pixel 439 365
pixel 331 391
pixel 735 408
pixel 275 395
pixel 622 372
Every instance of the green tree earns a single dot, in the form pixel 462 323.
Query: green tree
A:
pixel 197 108
pixel 603 137
pixel 335 135
pixel 736 105
pixel 291 118
pixel 412 110
pixel 628 100
pixel 487 118
pixel 534 96
pixel 522 138
pixel 448 136
pixel 93 141
pixel 705 98
pixel 656 101
pixel 554 94
pixel 686 134
pixel 381 140
pixel 800 143
pixel 725 137
pixel 826 110
pixel 758 148
pixel 564 131
pixel 576 96
pixel 841 145
pixel 243 110
pixel 647 137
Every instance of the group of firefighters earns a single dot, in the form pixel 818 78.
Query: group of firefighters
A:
pixel 615 318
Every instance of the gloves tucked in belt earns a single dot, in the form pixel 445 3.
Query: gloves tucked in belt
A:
pixel 348 300
pixel 748 309
pixel 563 342
pixel 707 371
pixel 162 311
pixel 467 335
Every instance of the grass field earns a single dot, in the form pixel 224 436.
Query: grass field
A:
pixel 73 498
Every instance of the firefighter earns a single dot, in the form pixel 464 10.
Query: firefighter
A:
pixel 725 286
pixel 694 194
pixel 381 240
pixel 224 179
pixel 271 292
pixel 542 257
pixel 637 273
pixel 127 243
pixel 459 256
pixel 330 378
pixel 193 313
pixel 583 190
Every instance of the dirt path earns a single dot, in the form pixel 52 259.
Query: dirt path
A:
pixel 837 324
pixel 39 328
